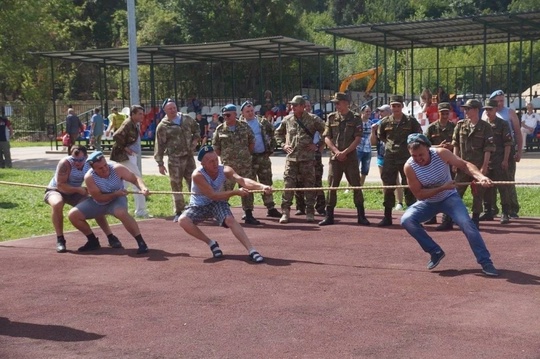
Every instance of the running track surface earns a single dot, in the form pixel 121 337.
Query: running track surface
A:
pixel 341 291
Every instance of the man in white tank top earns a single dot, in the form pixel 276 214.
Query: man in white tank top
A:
pixel 428 176
pixel 210 201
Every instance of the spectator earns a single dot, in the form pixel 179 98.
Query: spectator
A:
pixel 529 121
pixel 97 122
pixel 6 132
pixel 203 127
pixel 115 121
pixel 74 127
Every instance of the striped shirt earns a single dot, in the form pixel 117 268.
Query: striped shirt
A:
pixel 435 174
pixel 75 177
pixel 110 184
pixel 198 199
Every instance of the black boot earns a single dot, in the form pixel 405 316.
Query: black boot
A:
pixel 488 215
pixel 362 220
pixel 329 218
pixel 446 225
pixel 250 219
pixel 387 220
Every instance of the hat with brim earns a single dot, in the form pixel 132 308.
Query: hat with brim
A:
pixel 297 100
pixel 444 106
pixel 491 104
pixel 396 99
pixel 472 103
pixel 339 96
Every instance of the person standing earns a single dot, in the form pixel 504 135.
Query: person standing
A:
pixel 295 134
pixel 6 132
pixel 428 173
pixel 203 126
pixel 74 127
pixel 104 183
pixel 234 142
pixel 209 200
pixel 342 135
pixel 473 142
pixel 265 143
pixel 97 128
pixel 498 164
pixel 510 116
pixel 363 150
pixel 115 121
pixel 440 134
pixel 393 131
pixel 177 135
pixel 66 187
pixel 127 149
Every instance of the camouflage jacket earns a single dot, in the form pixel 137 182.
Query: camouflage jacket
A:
pixel 394 135
pixel 343 129
pixel 125 136
pixel 234 146
pixel 473 141
pixel 291 133
pixel 437 134
pixel 175 140
pixel 267 131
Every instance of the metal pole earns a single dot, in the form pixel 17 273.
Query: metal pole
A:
pixel 520 89
pixel 280 75
pixel 377 83
pixel 300 73
pixel 174 80
pixel 212 83
pixel 261 93
pixel 385 71
pixel 336 69
pixel 152 83
pixel 395 71
pixel 530 71
pixel 233 74
pixel 412 77
pixel 53 103
pixel 508 75
pixel 321 84
pixel 132 40
pixel 438 69
pixel 484 71
pixel 105 84
pixel 100 86
pixel 106 111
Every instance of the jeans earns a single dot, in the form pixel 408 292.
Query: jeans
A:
pixel 453 206
pixel 364 158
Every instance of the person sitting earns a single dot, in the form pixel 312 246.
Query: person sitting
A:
pixel 104 183
pixel 209 200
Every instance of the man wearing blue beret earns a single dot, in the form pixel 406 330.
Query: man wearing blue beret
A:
pixel 209 200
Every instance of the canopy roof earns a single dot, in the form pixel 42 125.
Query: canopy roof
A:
pixel 226 51
pixel 459 31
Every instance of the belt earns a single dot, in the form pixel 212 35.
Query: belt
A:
pixel 259 154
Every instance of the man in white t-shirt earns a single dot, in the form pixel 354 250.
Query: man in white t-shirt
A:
pixel 529 121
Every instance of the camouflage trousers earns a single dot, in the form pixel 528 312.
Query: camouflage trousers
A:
pixel 320 199
pixel 496 173
pixel 244 171
pixel 350 168
pixel 299 171
pixel 477 197
pixel 390 170
pixel 262 172
pixel 180 168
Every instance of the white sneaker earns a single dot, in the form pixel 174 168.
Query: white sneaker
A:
pixel 346 191
pixel 399 207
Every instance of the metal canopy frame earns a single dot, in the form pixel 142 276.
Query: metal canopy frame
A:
pixel 225 51
pixel 446 32
pixel 439 33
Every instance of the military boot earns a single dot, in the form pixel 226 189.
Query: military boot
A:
pixel 250 219
pixel 329 218
pixel 310 215
pixel 285 213
pixel 387 220
pixel 362 220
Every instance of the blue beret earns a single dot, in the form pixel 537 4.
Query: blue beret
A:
pixel 203 151
pixel 229 107
pixel 94 157
pixel 247 103
pixel 418 137
pixel 496 93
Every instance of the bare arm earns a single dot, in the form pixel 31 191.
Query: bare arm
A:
pixel 62 176
pixel 463 165
pixel 96 193
pixel 517 135
pixel 418 190
pixel 124 173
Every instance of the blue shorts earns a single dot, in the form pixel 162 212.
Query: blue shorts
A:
pixel 217 210
pixel 92 209
pixel 380 161
pixel 364 159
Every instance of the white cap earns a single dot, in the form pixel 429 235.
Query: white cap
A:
pixel 384 108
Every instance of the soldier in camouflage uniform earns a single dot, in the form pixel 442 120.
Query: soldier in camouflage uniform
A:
pixel 343 133
pixel 498 164
pixel 473 142
pixel 393 131
pixel 260 158
pixel 234 142
pixel 177 136
pixel 320 203
pixel 440 134
pixel 295 134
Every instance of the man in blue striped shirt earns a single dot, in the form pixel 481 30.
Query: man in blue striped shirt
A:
pixel 429 179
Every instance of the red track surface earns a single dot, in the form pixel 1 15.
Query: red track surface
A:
pixel 341 291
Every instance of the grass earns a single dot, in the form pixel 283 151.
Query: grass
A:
pixel 24 214
pixel 16 143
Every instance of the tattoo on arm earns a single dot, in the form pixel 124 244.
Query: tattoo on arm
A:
pixel 63 170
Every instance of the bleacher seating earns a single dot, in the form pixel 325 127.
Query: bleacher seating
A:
pixel 532 142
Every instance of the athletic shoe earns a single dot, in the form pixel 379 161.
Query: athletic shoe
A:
pixel 435 259
pixel 490 270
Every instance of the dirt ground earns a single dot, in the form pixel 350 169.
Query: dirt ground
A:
pixel 341 291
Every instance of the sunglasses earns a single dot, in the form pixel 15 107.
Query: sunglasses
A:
pixel 81 159
pixel 97 159
pixel 227 115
